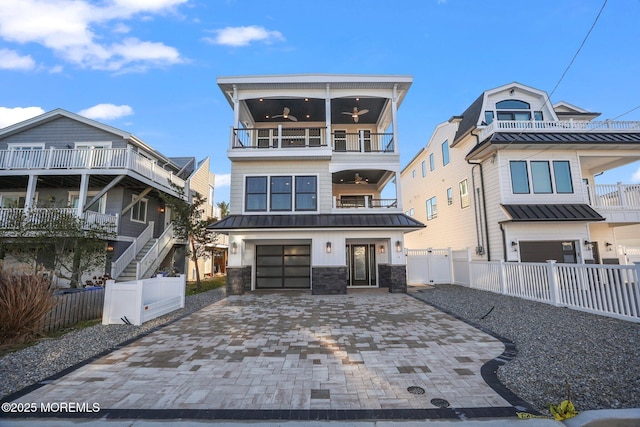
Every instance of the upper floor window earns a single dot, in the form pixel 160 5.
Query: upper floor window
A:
pixel 139 211
pixel 445 153
pixel 432 162
pixel 432 208
pixel 512 109
pixel 424 168
pixel 449 196
pixel 545 177
pixel 280 193
pixel 99 206
pixel 464 194
pixel 413 173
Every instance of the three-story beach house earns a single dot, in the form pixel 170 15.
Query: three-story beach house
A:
pixel 513 178
pixel 315 173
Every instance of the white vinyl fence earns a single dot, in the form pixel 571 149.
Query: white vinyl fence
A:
pixel 610 290
pixel 432 264
pixel 139 301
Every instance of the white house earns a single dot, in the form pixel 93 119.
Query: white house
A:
pixel 512 178
pixel 311 155
pixel 61 160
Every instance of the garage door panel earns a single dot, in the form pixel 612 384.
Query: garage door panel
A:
pixel 283 266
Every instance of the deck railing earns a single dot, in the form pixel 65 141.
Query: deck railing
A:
pixel 558 126
pixel 366 202
pixel 14 218
pixel 285 137
pixel 614 196
pixel 90 158
pixel 118 265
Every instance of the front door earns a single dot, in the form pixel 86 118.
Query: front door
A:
pixel 362 265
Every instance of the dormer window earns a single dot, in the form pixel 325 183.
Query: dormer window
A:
pixel 512 110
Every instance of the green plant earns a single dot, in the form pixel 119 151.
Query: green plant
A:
pixel 24 302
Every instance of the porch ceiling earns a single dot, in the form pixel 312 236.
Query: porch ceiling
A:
pixel 313 109
pixel 368 176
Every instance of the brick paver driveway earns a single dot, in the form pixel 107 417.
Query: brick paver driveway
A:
pixel 294 351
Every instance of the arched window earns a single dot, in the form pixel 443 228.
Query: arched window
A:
pixel 512 109
pixel 512 104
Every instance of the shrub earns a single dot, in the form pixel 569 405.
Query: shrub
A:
pixel 24 301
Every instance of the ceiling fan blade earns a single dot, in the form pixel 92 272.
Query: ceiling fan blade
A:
pixel 363 112
pixel 276 116
pixel 292 118
pixel 356 118
pixel 347 112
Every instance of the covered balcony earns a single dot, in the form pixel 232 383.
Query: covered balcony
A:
pixel 618 203
pixel 559 126
pixel 372 190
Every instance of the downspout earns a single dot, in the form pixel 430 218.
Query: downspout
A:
pixel 504 241
pixel 484 200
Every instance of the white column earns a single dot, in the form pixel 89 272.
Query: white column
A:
pixel 82 196
pixel 327 108
pixel 398 191
pixel 29 199
pixel 394 118
pixel 236 116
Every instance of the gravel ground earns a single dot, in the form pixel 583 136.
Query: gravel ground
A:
pixel 32 364
pixel 599 356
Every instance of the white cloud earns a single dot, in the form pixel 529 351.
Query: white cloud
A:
pixel 11 60
pixel 10 116
pixel 223 180
pixel 106 111
pixel 243 36
pixel 71 29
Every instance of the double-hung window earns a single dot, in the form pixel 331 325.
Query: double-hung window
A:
pixel 281 193
pixel 139 211
pixel 306 193
pixel 256 193
pixel 432 208
pixel 464 194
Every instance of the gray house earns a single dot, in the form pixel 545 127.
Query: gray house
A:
pixel 100 174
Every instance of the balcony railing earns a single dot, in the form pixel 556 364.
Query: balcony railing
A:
pixel 93 158
pixel 281 137
pixel 558 126
pixel 614 196
pixel 366 202
pixel 16 218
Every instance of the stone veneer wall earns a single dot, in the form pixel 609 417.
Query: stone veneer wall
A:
pixel 329 280
pixel 238 280
pixel 394 277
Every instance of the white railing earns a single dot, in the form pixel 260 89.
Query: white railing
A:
pixel 611 290
pixel 127 257
pixel 614 196
pixel 156 253
pixel 12 218
pixel 558 126
pixel 93 158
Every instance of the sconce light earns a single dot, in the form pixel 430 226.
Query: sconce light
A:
pixel 587 243
pixel 381 249
pixel 234 247
pixel 110 247
pixel 161 209
pixel 514 246
pixel 328 247
pixel 608 245
pixel 398 246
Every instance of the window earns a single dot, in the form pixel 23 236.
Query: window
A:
pixel 445 153
pixel 256 193
pixel 488 117
pixel 306 199
pixel 432 162
pixel 449 196
pixel 432 209
pixel 512 109
pixel 139 211
pixel 413 173
pixel 541 177
pixel 98 206
pixel 562 175
pixel 464 194
pixel 26 155
pixel 281 193
pixel 424 168
pixel 519 177
pixel 12 200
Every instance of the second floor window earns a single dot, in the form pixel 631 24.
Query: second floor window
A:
pixel 545 177
pixel 139 211
pixel 445 153
pixel 432 209
pixel 432 162
pixel 424 168
pixel 280 193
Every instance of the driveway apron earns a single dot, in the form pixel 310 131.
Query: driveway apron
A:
pixel 295 351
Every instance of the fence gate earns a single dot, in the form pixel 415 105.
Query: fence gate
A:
pixel 429 266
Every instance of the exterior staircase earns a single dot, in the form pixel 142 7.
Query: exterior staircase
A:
pixel 129 273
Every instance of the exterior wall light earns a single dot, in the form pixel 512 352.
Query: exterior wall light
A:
pixel 398 246
pixel 110 247
pixel 328 247
pixel 381 249
pixel 234 248
pixel 161 209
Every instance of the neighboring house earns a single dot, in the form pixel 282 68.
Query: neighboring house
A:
pixel 512 178
pixel 101 174
pixel 311 155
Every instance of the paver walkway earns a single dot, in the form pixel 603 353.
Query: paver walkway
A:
pixel 293 351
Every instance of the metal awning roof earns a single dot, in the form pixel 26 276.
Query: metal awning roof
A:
pixel 364 220
pixel 563 212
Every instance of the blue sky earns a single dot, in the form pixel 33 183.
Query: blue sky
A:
pixel 149 67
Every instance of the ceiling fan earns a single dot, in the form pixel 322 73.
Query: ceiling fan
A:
pixel 285 115
pixel 360 180
pixel 355 113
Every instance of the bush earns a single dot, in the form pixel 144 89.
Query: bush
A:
pixel 24 301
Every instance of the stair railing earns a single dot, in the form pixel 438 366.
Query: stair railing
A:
pixel 118 265
pixel 156 253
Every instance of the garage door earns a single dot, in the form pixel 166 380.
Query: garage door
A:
pixel 283 266
pixel 562 252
